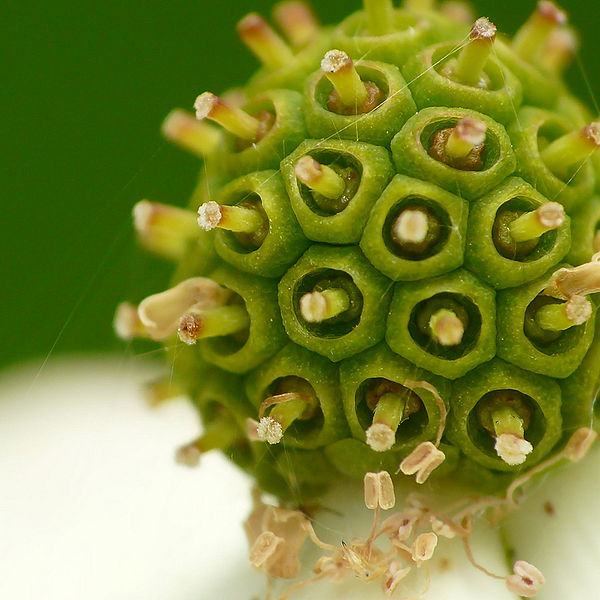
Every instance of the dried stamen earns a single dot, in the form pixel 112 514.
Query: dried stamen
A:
pixel 165 230
pixel 422 461
pixel 127 323
pixel 570 150
pixel 319 178
pixel 319 306
pixel 233 119
pixel 297 21
pixel 526 579
pixel 234 218
pixel 379 491
pixel 533 224
pixel 576 281
pixel 424 547
pixel 446 328
pixel 531 38
pixel 160 313
pixel 474 56
pixel 579 444
pixel 260 38
pixel 380 16
pixel 213 322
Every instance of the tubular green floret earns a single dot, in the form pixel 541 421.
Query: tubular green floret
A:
pixel 321 179
pixel 530 40
pixel 473 57
pixel 297 20
pixel 318 418
pixel 264 237
pixel 380 16
pixel 560 49
pixel 265 334
pixel 365 171
pixel 376 121
pixel 214 322
pixel 408 328
pixel 380 395
pixel 550 350
pixel 395 251
pixel 360 326
pixel 165 230
pixel 492 251
pixel 516 399
pixel 526 53
pixel 260 38
pixel 419 151
pixel 281 129
pixel 181 128
pixel 432 80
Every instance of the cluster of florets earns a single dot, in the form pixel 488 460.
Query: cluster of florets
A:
pixel 390 259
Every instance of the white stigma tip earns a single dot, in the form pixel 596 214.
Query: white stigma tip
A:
pixel 380 437
pixel 411 226
pixel 269 430
pixel 308 169
pixel 551 214
pixel 334 61
pixel 512 449
pixel 189 329
pixel 313 307
pixel 188 456
pixel 204 105
pixel 209 215
pixel 578 309
pixel 471 130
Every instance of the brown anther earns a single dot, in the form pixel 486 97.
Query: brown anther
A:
pixel 379 491
pixel 422 461
pixel 526 579
pixel 579 444
pixel 190 329
pixel 424 547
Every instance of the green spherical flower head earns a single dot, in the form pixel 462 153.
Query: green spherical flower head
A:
pixel 390 263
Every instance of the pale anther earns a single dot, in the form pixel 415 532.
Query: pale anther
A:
pixel 379 490
pixel 424 547
pixel 422 461
pixel 579 444
pixel 526 579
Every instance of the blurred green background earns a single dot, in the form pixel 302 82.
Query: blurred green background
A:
pixel 86 87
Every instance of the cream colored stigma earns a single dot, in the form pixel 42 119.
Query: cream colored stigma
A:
pixel 319 306
pixel 269 430
pixel 410 226
pixel 446 328
pixel 238 219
